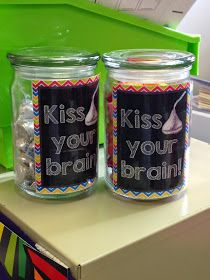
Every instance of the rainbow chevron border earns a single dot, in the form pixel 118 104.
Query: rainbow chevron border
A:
pixel 147 195
pixel 67 189
pixel 149 88
pixel 36 84
pixel 145 88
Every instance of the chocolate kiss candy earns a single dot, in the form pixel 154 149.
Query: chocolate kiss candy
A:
pixel 31 169
pixel 173 125
pixel 30 150
pixel 92 115
pixel 25 130
pixel 24 160
pixel 26 110
pixel 21 145
pixel 21 173
pixel 24 174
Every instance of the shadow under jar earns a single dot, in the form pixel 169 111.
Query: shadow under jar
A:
pixel 147 97
pixel 55 113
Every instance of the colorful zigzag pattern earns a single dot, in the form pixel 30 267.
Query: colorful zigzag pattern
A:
pixel 37 136
pixel 147 195
pixel 67 189
pixel 149 88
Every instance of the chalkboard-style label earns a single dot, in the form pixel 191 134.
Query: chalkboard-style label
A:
pixel 150 137
pixel 65 126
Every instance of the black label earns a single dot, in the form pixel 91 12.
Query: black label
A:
pixel 151 130
pixel 68 134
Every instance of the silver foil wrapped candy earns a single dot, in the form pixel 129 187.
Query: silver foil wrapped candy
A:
pixel 24 174
pixel 30 150
pixel 26 109
pixel 24 135
pixel 24 129
pixel 21 145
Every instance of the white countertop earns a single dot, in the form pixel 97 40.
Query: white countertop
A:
pixel 81 231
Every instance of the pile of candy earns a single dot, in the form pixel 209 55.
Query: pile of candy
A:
pixel 24 138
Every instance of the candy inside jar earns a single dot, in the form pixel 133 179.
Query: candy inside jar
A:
pixel 55 117
pixel 147 98
pixel 24 142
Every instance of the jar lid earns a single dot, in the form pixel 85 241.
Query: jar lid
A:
pixel 148 59
pixel 52 57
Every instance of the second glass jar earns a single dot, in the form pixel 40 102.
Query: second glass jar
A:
pixel 147 100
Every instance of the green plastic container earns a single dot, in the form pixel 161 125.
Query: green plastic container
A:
pixel 76 23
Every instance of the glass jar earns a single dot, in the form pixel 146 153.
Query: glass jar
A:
pixel 147 97
pixel 55 112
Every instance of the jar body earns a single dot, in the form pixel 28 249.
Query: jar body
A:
pixel 55 130
pixel 147 132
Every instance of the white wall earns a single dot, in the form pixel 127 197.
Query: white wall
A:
pixel 197 21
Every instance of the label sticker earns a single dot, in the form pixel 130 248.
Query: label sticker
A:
pixel 150 137
pixel 65 126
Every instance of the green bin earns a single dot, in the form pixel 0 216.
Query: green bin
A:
pixel 76 23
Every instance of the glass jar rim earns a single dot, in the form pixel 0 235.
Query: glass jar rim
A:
pixel 148 59
pixel 52 57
